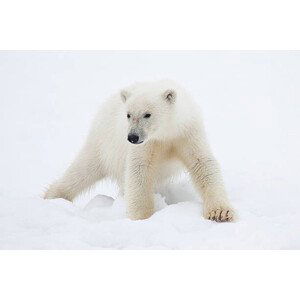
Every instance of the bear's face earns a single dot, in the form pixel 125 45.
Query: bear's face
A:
pixel 147 114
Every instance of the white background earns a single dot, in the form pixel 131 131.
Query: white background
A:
pixel 214 25
pixel 251 111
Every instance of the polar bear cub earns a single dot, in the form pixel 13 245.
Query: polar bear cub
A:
pixel 142 136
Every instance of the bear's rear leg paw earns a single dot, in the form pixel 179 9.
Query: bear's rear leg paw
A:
pixel 54 192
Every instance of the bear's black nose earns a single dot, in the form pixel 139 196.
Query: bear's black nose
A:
pixel 133 138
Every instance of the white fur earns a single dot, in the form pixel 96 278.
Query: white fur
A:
pixel 173 138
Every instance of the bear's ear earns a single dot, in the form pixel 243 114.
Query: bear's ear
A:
pixel 124 95
pixel 170 96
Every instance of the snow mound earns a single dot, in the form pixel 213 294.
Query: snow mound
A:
pixel 101 223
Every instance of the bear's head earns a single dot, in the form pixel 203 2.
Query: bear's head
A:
pixel 149 111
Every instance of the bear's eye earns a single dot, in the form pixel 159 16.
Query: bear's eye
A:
pixel 128 116
pixel 147 116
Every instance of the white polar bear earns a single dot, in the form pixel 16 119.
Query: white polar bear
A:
pixel 141 137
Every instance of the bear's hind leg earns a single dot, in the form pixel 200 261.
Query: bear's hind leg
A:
pixel 84 172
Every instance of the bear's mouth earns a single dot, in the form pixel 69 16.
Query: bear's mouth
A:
pixel 136 143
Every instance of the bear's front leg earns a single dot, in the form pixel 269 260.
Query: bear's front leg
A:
pixel 208 181
pixel 206 175
pixel 139 178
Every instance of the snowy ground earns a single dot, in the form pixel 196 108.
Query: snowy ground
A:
pixel 251 108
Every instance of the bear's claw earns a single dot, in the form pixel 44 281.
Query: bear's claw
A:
pixel 220 214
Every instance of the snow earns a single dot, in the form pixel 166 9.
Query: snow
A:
pixel 251 108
